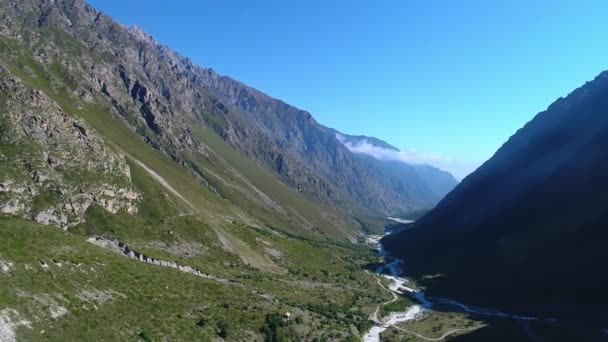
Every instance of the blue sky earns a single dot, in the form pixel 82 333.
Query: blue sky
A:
pixel 449 81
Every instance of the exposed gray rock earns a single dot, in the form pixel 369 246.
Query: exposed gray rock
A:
pixel 99 297
pixel 10 319
pixel 48 217
pixel 6 266
pixel 119 247
pixel 64 166
pixel 13 206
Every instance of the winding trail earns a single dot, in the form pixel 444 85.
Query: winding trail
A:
pixel 374 316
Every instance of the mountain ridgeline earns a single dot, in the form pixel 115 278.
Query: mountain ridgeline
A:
pixel 222 131
pixel 527 231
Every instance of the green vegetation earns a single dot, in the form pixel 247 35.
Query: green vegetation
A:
pixel 276 329
pixel 146 299
pixel 190 307
pixel 433 325
pixel 292 203
pixel 44 199
pixel 400 305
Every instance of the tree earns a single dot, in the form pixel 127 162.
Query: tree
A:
pixel 276 329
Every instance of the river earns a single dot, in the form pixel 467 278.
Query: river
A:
pixel 399 285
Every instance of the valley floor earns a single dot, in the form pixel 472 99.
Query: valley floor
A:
pixel 415 309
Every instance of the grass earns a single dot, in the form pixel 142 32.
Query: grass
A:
pixel 169 313
pixel 432 326
pixel 10 154
pixel 45 199
pixel 164 303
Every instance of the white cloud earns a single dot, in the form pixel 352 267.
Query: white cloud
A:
pixel 458 169
pixel 410 156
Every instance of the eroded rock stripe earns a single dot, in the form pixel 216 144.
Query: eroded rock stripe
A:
pixel 119 247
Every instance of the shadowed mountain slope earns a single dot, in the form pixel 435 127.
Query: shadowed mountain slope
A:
pixel 526 232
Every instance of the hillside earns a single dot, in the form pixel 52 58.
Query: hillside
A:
pixel 526 232
pixel 221 131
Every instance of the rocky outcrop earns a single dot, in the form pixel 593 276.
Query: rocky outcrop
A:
pixel 119 247
pixel 10 320
pixel 56 167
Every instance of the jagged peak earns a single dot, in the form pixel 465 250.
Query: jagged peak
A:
pixel 140 34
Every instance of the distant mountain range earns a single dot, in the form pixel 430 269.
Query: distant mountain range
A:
pixel 527 232
pixel 419 181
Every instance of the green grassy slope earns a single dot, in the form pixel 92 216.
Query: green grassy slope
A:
pixel 322 282
pixel 146 299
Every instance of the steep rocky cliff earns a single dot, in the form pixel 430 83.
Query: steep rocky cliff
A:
pixel 53 166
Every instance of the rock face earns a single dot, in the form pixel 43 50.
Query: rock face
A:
pixel 167 100
pixel 54 166
pixel 527 231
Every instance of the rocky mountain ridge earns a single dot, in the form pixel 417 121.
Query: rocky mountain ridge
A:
pixel 169 101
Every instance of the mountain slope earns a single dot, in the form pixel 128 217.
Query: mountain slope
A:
pixel 526 232
pixel 67 163
pixel 168 202
pixel 180 109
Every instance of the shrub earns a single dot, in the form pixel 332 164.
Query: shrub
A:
pixel 222 329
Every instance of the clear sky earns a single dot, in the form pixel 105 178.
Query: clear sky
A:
pixel 442 78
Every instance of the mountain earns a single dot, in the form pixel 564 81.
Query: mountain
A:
pixel 358 139
pixel 421 181
pixel 167 202
pixel 119 75
pixel 526 232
